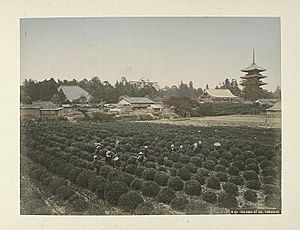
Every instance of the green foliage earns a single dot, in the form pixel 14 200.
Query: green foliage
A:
pixel 238 180
pixel 149 174
pixel 113 192
pixel 182 105
pixel 184 174
pixel 250 195
pixel 192 187
pixel 179 203
pixel 269 171
pixel 210 197
pixel 64 192
pixel 136 184
pixel 223 177
pixel 196 208
pixel 253 184
pixel 213 182
pixel 230 187
pixel 144 208
pixel 227 200
pixel 129 201
pixel 176 183
pixel 220 168
pixel 197 161
pixel 250 175
pixel 208 164
pixel 150 188
pixel 234 171
pixel 165 195
pixel 253 166
pixel 161 178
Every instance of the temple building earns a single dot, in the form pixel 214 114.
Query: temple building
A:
pixel 252 82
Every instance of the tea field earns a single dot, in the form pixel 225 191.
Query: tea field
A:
pixel 57 176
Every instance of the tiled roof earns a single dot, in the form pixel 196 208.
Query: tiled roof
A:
pixel 74 92
pixel 275 107
pixel 253 66
pixel 220 93
pixel 138 100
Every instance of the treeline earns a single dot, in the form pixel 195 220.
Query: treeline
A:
pixel 101 91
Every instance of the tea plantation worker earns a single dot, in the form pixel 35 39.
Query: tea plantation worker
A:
pixel 141 158
pixel 117 146
pixel 108 158
pixel 217 145
pixel 116 162
pixel 195 147
pixel 146 151
pixel 181 149
pixel 97 149
pixel 95 165
pixel 172 149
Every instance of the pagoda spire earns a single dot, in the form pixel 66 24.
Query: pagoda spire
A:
pixel 253 56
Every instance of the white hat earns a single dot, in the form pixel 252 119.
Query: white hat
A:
pixel 195 144
pixel 95 157
pixel 116 158
pixel 172 145
pixel 199 131
pixel 98 147
pixel 97 144
pixel 217 144
pixel 200 142
pixel 141 153
pixel 181 146
pixel 146 146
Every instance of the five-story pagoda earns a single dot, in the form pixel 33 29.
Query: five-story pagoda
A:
pixel 251 82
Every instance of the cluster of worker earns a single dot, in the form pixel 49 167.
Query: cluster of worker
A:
pixel 113 158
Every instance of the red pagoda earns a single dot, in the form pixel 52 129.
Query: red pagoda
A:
pixel 251 82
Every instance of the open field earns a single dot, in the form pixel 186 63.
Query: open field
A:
pixel 230 120
pixel 56 166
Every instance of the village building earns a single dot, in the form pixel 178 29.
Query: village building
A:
pixel 218 95
pixel 41 109
pixel 275 110
pixel 252 82
pixel 268 102
pixel 75 93
pixel 135 102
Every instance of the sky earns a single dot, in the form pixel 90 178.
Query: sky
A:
pixel 203 50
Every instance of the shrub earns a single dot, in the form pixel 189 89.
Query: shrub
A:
pixel 161 178
pixel 253 184
pixel 238 180
pixel 252 166
pixel 192 187
pixel 191 167
pixel 173 172
pixel 165 195
pixel 150 164
pixel 100 189
pixel 159 160
pixel 105 170
pixel 139 171
pixel 270 189
pixel 268 171
pixel 203 171
pixel 239 164
pixel 228 156
pixel 149 174
pixel 136 184
pixel 64 192
pixel 179 203
pixel 210 197
pixel 209 164
pixel 175 183
pixel 197 161
pixel 174 156
pixel 177 165
pixel 260 158
pixel 114 190
pixel 268 180
pixel 55 184
pixel 130 168
pixel 144 208
pixel 184 174
pixel 79 204
pixel 220 168
pixel 227 200
pixel 250 161
pixel 129 201
pixel 168 163
pixel 250 175
pixel 184 159
pixel 36 174
pixel 230 187
pixel 213 182
pixel 267 163
pixel 273 201
pixel 199 177
pixel 224 162
pixel 72 175
pixel 250 195
pixel 150 188
pixel 163 169
pixel 131 160
pixel 223 177
pixel 234 171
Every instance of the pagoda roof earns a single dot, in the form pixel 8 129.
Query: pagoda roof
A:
pixel 252 67
pixel 220 93
pixel 253 75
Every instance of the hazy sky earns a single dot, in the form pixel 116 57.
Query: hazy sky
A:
pixel 167 50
